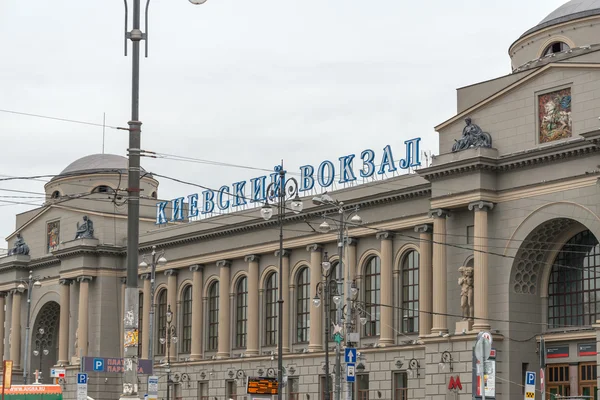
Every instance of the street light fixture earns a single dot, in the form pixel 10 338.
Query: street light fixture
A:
pixel 324 287
pixel 170 337
pixel 281 189
pixel 157 259
pixel 29 284
pixel 345 219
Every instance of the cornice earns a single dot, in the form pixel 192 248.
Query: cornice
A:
pixel 89 249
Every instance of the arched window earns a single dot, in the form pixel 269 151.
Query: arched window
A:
pixel 241 316
pixel 140 322
pixel 303 306
pixel 555 47
pixel 186 320
pixel 373 296
pixel 340 289
pixel 574 287
pixel 161 321
pixel 213 316
pixel 103 189
pixel 410 292
pixel 55 194
pixel 271 294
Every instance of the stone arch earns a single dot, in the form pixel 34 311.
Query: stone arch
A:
pixel 400 254
pixel 235 281
pixel 44 339
pixel 208 283
pixel 366 256
pixel 297 268
pixel 271 269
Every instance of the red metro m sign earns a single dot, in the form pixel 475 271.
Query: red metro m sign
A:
pixel 455 384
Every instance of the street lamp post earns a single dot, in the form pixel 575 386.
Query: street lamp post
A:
pixel 280 189
pixel 170 337
pixel 41 350
pixel 157 259
pixel 28 285
pixel 345 218
pixel 131 307
pixel 355 307
pixel 323 289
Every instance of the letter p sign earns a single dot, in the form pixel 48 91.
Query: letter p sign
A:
pixel 98 364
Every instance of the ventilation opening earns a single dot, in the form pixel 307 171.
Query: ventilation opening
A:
pixel 55 195
pixel 153 195
pixel 103 189
pixel 556 47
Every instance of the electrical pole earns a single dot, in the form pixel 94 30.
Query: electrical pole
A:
pixel 338 314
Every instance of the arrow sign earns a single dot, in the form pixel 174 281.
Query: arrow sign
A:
pixel 350 355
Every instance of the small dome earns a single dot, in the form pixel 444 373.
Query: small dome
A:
pixel 97 163
pixel 571 10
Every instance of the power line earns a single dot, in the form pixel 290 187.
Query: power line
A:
pixel 57 118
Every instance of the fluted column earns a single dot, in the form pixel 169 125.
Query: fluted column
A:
pixel 65 318
pixel 440 275
pixel 15 334
pixel 253 330
pixel 285 294
pixel 224 348
pixel 316 315
pixel 197 317
pixel 83 326
pixel 171 275
pixel 2 323
pixel 387 287
pixel 480 258
pixel 425 279
pixel 146 315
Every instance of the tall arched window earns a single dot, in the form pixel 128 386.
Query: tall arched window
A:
pixel 373 296
pixel 140 322
pixel 303 305
pixel 410 292
pixel 574 287
pixel 213 316
pixel 161 320
pixel 241 315
pixel 186 320
pixel 271 294
pixel 340 288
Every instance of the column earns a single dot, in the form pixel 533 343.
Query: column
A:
pixel 316 314
pixel 197 318
pixel 83 326
pixel 65 318
pixel 480 258
pixel 2 317
pixel 350 258
pixel 253 330
pixel 147 303
pixel 440 275
pixel 15 334
pixel 425 279
pixel 387 286
pixel 224 348
pixel 172 301
pixel 285 294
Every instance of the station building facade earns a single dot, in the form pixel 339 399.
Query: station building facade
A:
pixel 510 205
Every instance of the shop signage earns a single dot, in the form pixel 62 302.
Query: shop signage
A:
pixel 557 351
pixel 262 386
pixel 238 195
pixel 587 349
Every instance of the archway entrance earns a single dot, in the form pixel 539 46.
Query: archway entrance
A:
pixel 44 341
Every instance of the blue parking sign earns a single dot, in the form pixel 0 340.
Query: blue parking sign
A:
pixel 98 364
pixel 82 379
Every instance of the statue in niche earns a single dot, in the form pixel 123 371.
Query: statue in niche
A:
pixel 85 230
pixel 19 247
pixel 472 136
pixel 466 292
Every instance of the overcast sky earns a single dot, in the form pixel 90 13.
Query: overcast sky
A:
pixel 243 81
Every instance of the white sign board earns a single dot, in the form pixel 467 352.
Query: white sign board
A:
pixel 152 387
pixel 529 385
pixel 57 373
pixel 82 380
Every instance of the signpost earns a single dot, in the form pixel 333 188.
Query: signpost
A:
pixel 82 380
pixel 152 387
pixel 529 385
pixel 483 348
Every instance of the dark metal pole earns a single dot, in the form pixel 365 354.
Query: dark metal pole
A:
pixel 280 290
pixel 131 320
pixel 338 314
pixel 168 344
pixel 151 321
pixel 327 312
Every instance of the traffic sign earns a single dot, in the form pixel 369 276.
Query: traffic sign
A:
pixel 350 355
pixel 57 373
pixel 98 364
pixel 483 349
pixel 82 379
pixel 529 385
pixel 350 372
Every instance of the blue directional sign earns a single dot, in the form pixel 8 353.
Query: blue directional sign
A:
pixel 98 364
pixel 82 379
pixel 350 355
pixel 350 372
pixel 530 378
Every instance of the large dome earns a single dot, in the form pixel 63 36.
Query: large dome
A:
pixel 572 10
pixel 97 163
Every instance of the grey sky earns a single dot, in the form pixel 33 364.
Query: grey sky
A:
pixel 243 81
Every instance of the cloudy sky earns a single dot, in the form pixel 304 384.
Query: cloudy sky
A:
pixel 242 81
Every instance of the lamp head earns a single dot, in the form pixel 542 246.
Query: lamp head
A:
pixel 363 320
pixel 143 264
pixel 36 353
pixel 169 315
pixel 324 227
pixel 21 288
pixel 297 205
pixel 197 2
pixel 162 260
pixel 37 284
pixel 266 212
pixel 356 219
pixel 337 299
pixel 46 352
pixel 353 290
pixel 317 301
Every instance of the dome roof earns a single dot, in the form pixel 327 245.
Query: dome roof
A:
pixel 97 163
pixel 571 10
